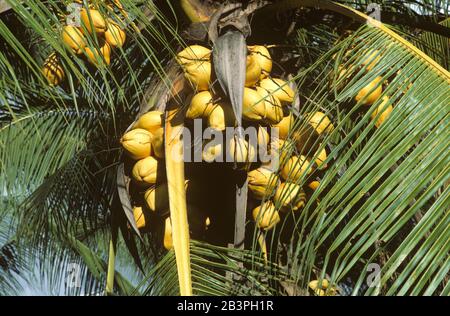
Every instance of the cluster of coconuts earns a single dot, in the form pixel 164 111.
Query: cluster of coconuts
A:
pixel 93 40
pixel 144 144
pixel 371 93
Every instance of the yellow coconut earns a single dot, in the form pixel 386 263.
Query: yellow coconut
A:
pixel 253 72
pixel 139 217
pixel 158 143
pixel 240 150
pixel 73 39
pixel 370 93
pixel 221 116
pixel 137 143
pixel 320 159
pixel 266 216
pixel 262 56
pixel 201 105
pixel 193 54
pixel 289 196
pixel 278 88
pixel 93 20
pixel 385 112
pixel 274 110
pixel 168 242
pixel 212 151
pixel 371 59
pixel 53 71
pixel 262 182
pixel 115 35
pixel 145 171
pixel 283 149
pixel 95 55
pixel 320 122
pixel 295 168
pixel 284 126
pixel 323 288
pixel 253 106
pixel 199 75
pixel 150 121
pixel 263 138
pixel 157 197
pixel 313 185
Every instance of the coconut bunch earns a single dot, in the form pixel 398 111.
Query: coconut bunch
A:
pixel 144 145
pixel 93 40
pixel 371 93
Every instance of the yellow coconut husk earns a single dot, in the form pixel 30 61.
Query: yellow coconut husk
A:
pixel 313 185
pixel 295 168
pixel 283 149
pixel 253 106
pixel 193 54
pixel 253 72
pixel 201 105
pixel 73 38
pixel 320 159
pixel 52 70
pixel 262 56
pixel 115 35
pixel 266 216
pixel 274 109
pixel 145 171
pixel 150 121
pixel 263 138
pixel 199 75
pixel 221 116
pixel 168 241
pixel 262 182
pixel 289 196
pixel 139 217
pixel 278 88
pixel 284 126
pixel 95 55
pixel 367 95
pixel 158 143
pixel 241 151
pixel 385 112
pixel 137 143
pixel 157 197
pixel 320 122
pixel 212 151
pixel 93 20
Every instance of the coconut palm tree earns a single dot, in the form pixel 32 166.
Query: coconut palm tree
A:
pixel 376 222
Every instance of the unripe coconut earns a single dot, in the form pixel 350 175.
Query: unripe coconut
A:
pixel 289 195
pixel 262 182
pixel 284 126
pixel 201 105
pixel 295 168
pixel 320 122
pixel 158 143
pixel 274 110
pixel 193 54
pixel 150 121
pixel 168 241
pixel 139 217
pixel 137 143
pixel 212 151
pixel 221 116
pixel 253 72
pixel 253 106
pixel 266 216
pixel 94 55
pixel 73 39
pixel 371 92
pixel 198 74
pixel 385 112
pixel 278 88
pixel 263 58
pixel 53 71
pixel 114 35
pixel 241 151
pixel 145 171
pixel 93 21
